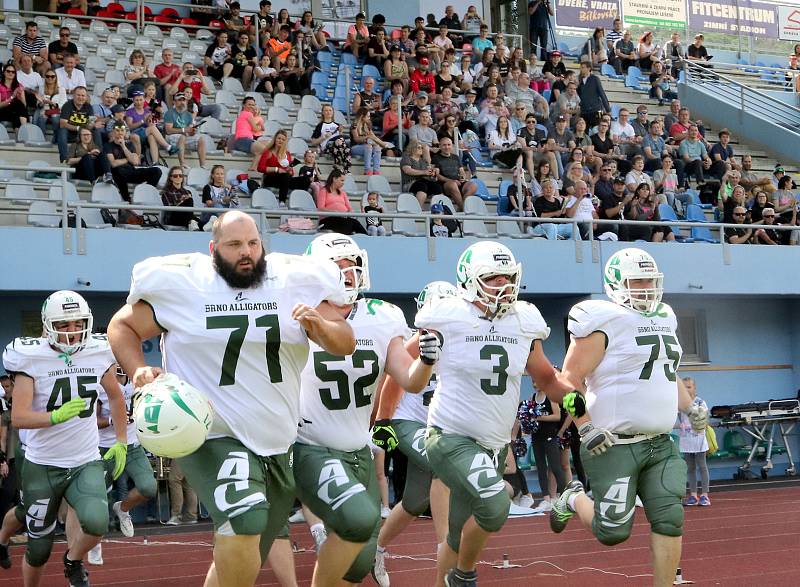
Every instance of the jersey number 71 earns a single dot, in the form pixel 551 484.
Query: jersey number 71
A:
pixel 239 323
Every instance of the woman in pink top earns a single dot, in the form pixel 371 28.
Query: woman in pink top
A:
pixel 334 199
pixel 249 126
pixel 357 36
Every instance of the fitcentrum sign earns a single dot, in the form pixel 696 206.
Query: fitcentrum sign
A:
pixel 730 16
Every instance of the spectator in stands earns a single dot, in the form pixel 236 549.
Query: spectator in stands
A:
pixel 674 53
pixel 451 21
pixel 309 175
pixel 583 140
pixel 216 55
pixel 481 44
pixel 520 91
pixel 391 122
pixel 722 153
pixel 673 115
pixel 241 61
pixel 444 79
pixel 370 99
pixel 180 494
pixel 87 158
pixel 377 50
pixel 539 13
pixel 622 134
pixel 234 23
pixel 518 117
pixel 191 78
pixel 697 51
pixel 52 98
pixel 785 202
pixel 637 176
pixel 332 198
pixel 694 155
pixel 760 204
pixel 442 40
pixel 422 80
pixel 736 235
pixel 357 37
pixel 168 75
pixel 644 207
pixel 276 165
pixel 31 82
pixel 63 6
pixel 502 143
pixel 648 52
pixel 69 76
pixel 573 173
pixel 625 52
pixel 328 137
pixel 282 20
pixel 728 201
pixel 445 106
pixel 279 47
pixel 593 97
pixel 492 107
pixel 603 186
pixel 31 44
pixel 313 30
pixel 424 133
pixel 750 179
pixel 660 80
pixel 471 23
pixel 264 21
pixel 176 194
pixel 612 36
pixel 767 235
pixel 118 117
pixel 395 68
pixel 680 129
pixel 568 104
pixel 125 162
pixel 580 206
pixel 418 175
pixel 595 48
pixel 139 120
pixel 554 69
pixel 217 193
pixel 640 124
pixel 137 72
pixel 181 133
pixel 63 46
pixel 612 204
pixel 249 127
pixel 375 225
pixel 103 110
pixel 75 113
pixel 365 143
pixel 156 106
pixel 438 228
pixel 550 205
pixel 666 182
pixel 292 76
pixel 265 75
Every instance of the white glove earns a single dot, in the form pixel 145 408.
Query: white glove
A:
pixel 430 347
pixel 698 416
pixel 596 440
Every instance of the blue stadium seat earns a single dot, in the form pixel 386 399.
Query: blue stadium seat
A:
pixel 483 191
pixel 608 70
pixel 503 207
pixel 349 59
pixel 371 71
pixel 340 103
pixel 699 233
pixel 667 212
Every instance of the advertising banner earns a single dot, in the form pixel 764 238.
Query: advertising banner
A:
pixel 734 16
pixel 587 14
pixel 789 23
pixel 662 14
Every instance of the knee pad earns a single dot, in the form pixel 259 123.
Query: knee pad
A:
pixel 668 521
pixel 148 487
pixel 492 512
pixel 415 505
pixel 19 513
pixel 38 550
pixel 94 519
pixel 357 521
pixel 611 536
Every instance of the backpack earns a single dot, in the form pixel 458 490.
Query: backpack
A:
pixel 453 225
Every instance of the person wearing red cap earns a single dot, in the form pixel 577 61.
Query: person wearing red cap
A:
pixel 554 68
pixel 422 80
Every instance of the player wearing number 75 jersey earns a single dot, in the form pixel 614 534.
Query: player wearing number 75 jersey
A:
pixel 56 382
pixel 333 464
pixel 236 325
pixel 489 340
pixel 627 352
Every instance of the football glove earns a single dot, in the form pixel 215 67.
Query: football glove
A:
pixel 67 411
pixel 698 416
pixel 384 436
pixel 118 452
pixel 596 440
pixel 430 346
pixel 575 404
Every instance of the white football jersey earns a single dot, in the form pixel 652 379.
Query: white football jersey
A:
pixel 107 435
pixel 414 406
pixel 58 378
pixel 337 392
pixel 480 368
pixel 634 389
pixel 242 348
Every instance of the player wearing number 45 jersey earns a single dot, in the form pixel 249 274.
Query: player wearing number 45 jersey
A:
pixel 333 464
pixel 56 382
pixel 489 340
pixel 236 325
pixel 627 353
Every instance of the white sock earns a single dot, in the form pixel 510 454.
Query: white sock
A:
pixel 317 527
pixel 381 549
pixel 571 501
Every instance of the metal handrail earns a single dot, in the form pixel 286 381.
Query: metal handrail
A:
pixel 61 16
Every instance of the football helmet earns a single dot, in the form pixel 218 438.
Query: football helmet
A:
pixel 335 247
pixel 435 290
pixel 486 259
pixel 628 264
pixel 63 306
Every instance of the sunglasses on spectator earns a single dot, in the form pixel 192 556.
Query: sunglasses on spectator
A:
pixel 63 35
pixel 176 175
pixel 738 214
pixel 11 71
pixel 769 215
pixel 50 76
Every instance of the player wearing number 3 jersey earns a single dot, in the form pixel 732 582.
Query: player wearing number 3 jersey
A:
pixel 333 464
pixel 236 325
pixel 627 353
pixel 57 379
pixel 489 340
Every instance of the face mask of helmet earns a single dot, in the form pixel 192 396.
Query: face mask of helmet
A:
pixel 498 299
pixel 625 268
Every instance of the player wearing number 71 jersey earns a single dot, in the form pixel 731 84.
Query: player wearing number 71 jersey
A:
pixel 627 352
pixel 333 464
pixel 236 325
pixel 489 340
pixel 56 382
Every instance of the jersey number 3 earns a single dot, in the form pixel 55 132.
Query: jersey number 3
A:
pixel 239 324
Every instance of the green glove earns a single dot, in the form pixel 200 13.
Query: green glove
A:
pixel 68 410
pixel 384 436
pixel 575 404
pixel 118 452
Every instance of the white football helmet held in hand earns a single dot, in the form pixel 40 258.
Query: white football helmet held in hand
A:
pixel 435 290
pixel 633 264
pixel 66 306
pixel 481 261
pixel 335 247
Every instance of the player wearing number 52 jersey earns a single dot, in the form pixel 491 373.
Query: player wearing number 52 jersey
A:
pixel 489 340
pixel 236 325
pixel 57 379
pixel 333 464
pixel 627 352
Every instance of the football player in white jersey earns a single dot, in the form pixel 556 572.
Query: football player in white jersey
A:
pixel 333 464
pixel 401 421
pixel 57 379
pixel 489 340
pixel 623 360
pixel 236 325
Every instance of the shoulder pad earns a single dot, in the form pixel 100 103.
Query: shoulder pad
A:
pixel 164 273
pixel 531 321
pixel 439 313
pixel 591 316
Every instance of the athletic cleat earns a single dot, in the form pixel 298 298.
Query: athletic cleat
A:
pixel 95 556
pixel 320 536
pixel 560 512
pixel 297 517
pixel 379 572
pixel 5 558
pixel 459 578
pixel 125 521
pixel 74 571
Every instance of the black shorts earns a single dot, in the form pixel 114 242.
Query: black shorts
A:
pixel 430 187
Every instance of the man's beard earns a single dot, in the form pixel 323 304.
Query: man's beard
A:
pixel 235 278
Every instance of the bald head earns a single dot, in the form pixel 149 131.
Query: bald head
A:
pixel 232 219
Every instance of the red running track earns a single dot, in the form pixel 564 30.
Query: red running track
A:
pixel 746 538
